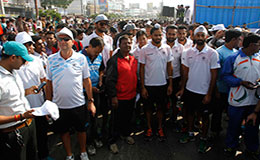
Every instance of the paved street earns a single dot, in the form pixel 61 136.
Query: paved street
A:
pixel 154 150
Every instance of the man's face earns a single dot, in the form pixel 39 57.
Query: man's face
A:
pixel 95 51
pixel 64 42
pixel 256 47
pixel 125 45
pixel 50 39
pixel 200 38
pixel 86 25
pixel 39 46
pixel 80 36
pixel 101 26
pixel 142 40
pixel 30 47
pixel 157 36
pixel 148 29
pixel 17 62
pixel 26 27
pixel 171 35
pixel 237 41
pixel 182 34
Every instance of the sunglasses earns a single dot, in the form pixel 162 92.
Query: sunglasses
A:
pixel 66 39
pixel 103 23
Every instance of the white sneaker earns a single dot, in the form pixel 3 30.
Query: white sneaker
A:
pixel 91 150
pixel 70 157
pixel 84 156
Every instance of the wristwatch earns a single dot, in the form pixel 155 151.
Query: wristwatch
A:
pixel 91 100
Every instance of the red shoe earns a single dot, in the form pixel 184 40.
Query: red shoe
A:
pixel 161 135
pixel 148 135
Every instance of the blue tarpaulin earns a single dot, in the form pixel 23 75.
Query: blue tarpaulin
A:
pixel 228 12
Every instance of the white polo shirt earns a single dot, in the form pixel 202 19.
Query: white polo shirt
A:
pixel 67 79
pixel 31 73
pixel 12 99
pixel 200 63
pixel 187 45
pixel 177 50
pixel 155 60
pixel 43 57
pixel 108 41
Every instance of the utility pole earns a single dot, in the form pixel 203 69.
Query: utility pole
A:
pixel 95 7
pixel 36 8
pixel 2 7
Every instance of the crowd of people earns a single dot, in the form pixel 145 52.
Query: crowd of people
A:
pixel 108 75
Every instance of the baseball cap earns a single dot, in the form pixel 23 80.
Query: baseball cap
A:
pixel 65 31
pixel 23 37
pixel 130 26
pixel 18 49
pixel 218 27
pixel 101 17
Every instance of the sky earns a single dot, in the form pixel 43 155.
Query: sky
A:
pixel 170 3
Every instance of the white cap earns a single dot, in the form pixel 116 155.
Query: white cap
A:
pixel 23 37
pixel 202 29
pixel 66 31
pixel 149 22
pixel 38 27
pixel 101 17
pixel 238 29
pixel 157 25
pixel 218 27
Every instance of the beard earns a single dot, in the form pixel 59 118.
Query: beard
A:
pixel 200 42
pixel 170 40
pixel 101 31
pixel 157 41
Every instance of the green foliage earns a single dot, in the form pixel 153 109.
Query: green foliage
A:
pixel 50 13
pixel 57 3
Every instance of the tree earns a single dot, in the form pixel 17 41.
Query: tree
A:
pixel 57 3
pixel 51 13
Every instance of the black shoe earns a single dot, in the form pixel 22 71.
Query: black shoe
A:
pixel 252 155
pixel 230 152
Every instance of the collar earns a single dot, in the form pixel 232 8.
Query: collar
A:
pixel 71 57
pixel 204 50
pixel 242 54
pixel 5 71
pixel 154 47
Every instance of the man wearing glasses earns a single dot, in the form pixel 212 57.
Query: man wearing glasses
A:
pixel 33 73
pixel 17 129
pixel 67 73
pixel 101 25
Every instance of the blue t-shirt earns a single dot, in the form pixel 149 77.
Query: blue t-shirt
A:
pixel 93 68
pixel 223 52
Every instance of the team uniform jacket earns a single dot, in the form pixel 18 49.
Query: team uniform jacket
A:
pixel 237 68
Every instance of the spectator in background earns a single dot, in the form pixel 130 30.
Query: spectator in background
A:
pixel 232 39
pixel 51 43
pixel 19 24
pixel 94 58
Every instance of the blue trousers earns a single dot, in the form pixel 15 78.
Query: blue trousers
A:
pixel 236 116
